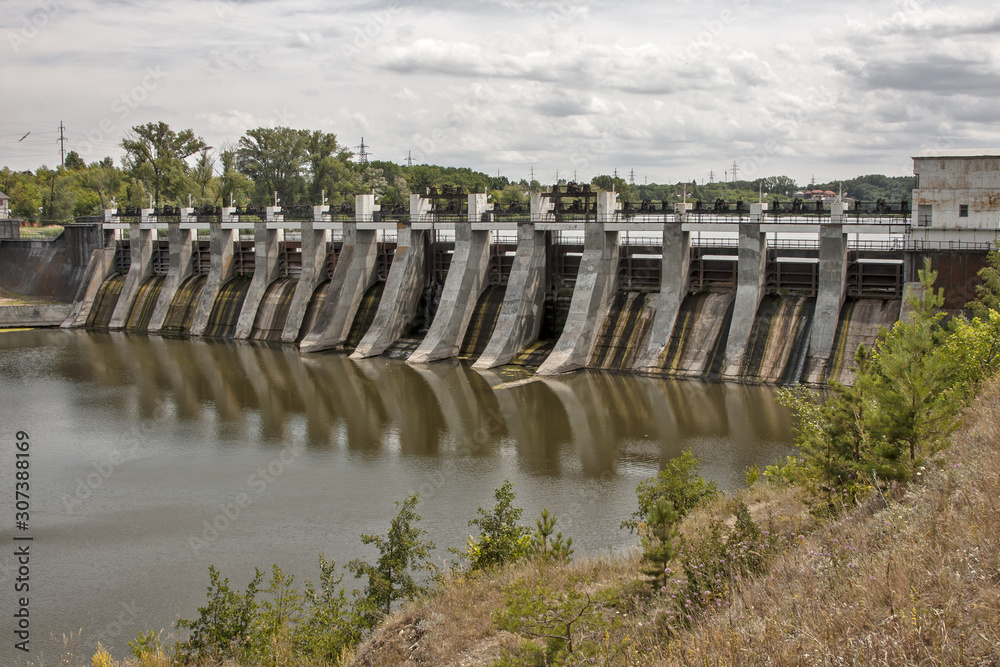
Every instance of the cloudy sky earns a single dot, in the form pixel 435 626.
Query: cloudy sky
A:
pixel 672 90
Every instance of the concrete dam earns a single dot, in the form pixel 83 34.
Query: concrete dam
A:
pixel 748 293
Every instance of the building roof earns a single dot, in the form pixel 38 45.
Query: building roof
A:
pixel 958 152
pixel 3 197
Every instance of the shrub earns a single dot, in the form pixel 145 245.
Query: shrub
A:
pixel 402 553
pixel 679 482
pixel 224 628
pixel 501 538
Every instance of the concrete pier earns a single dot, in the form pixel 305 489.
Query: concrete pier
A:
pixel 466 279
pixel 830 293
pixel 595 287
pixel 267 246
pixel 520 317
pixel 181 245
pixel 314 253
pixel 100 266
pixel 749 289
pixel 221 270
pixel 141 250
pixel 674 278
pixel 403 288
pixel 353 275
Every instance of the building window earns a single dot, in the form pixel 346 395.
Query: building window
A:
pixel 924 215
pixel 963 210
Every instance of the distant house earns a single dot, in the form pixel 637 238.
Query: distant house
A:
pixel 4 206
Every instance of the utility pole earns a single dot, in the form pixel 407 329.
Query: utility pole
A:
pixel 62 145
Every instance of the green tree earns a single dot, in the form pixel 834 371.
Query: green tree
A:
pixel 678 482
pixel 659 540
pixel 156 154
pixel 546 543
pixel 501 538
pixel 234 187
pixel 988 292
pixel 914 378
pixel 224 629
pixel 74 162
pixel 402 553
pixel 331 623
pixel 273 159
pixel 102 179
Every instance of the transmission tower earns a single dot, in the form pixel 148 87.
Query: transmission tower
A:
pixel 711 176
pixel 631 176
pixel 532 168
pixel 735 171
pixel 62 145
pixel 363 152
pixel 409 157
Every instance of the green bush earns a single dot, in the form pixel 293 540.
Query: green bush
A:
pixel 679 482
pixel 501 538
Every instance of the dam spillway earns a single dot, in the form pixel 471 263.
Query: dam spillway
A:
pixel 741 294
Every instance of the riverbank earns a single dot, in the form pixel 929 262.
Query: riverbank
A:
pixel 912 579
pixel 908 577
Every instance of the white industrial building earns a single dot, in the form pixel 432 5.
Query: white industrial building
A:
pixel 957 196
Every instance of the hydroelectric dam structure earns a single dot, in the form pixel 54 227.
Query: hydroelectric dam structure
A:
pixel 766 292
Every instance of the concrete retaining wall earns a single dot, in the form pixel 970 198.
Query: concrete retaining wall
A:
pixel 49 315
pixel 50 269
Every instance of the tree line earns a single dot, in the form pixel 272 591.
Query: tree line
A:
pixel 165 167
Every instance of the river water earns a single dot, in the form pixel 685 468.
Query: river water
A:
pixel 152 458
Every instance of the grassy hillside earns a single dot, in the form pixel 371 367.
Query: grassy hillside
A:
pixel 913 579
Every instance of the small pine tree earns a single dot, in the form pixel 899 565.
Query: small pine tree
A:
pixel 913 376
pixel 988 293
pixel 659 540
pixel 544 545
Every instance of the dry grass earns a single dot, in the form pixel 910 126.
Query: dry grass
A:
pixel 912 579
pixel 454 626
pixel 914 582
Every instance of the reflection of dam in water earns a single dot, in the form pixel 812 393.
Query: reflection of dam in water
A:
pixel 748 294
pixel 167 431
pixel 380 404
